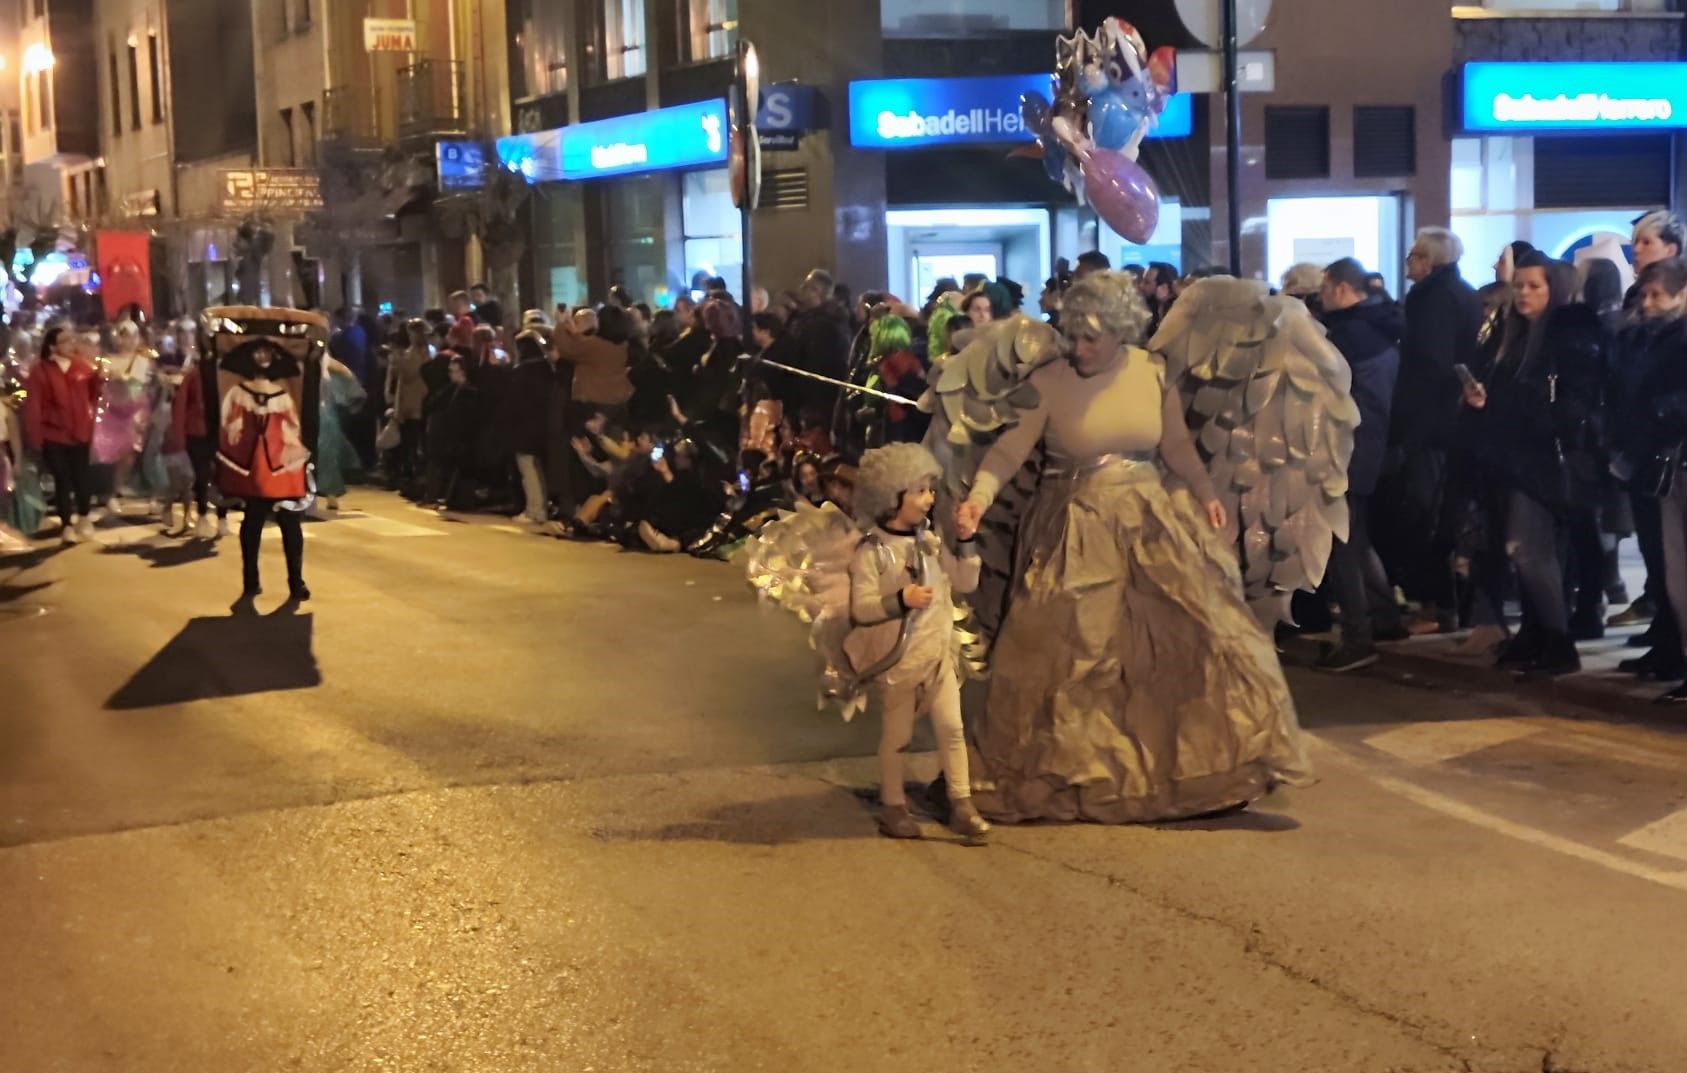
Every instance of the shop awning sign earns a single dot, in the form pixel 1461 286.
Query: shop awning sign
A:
pixel 1535 97
pixel 389 35
pixel 916 113
pixel 685 136
pixel 274 189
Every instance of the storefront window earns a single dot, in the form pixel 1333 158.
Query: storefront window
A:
pixel 623 38
pixel 710 30
pixel 714 235
pixel 956 18
pixel 634 230
pixel 558 236
pixel 1321 230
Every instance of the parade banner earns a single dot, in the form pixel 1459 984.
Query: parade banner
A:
pixel 123 260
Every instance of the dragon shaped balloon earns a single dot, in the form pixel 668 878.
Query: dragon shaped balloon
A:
pixel 1108 92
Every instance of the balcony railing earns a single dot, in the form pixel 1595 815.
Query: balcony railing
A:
pixel 430 99
pixel 348 117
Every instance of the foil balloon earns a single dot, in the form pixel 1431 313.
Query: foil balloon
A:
pixel 1107 91
pixel 1122 193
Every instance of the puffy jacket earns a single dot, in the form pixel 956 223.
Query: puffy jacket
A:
pixel 1540 426
pixel 526 407
pixel 1368 336
pixel 1646 390
pixel 60 406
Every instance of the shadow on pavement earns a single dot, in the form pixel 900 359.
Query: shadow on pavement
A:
pixel 33 558
pixel 13 593
pixel 772 822
pixel 225 657
pixel 164 556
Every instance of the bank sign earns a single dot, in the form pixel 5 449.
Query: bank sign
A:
pixel 686 136
pixel 912 113
pixel 1529 97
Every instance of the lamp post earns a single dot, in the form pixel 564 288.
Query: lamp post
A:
pixel 746 150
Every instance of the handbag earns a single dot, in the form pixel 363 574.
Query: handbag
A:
pixel 390 436
pixel 1654 474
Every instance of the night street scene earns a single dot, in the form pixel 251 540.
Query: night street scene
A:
pixel 709 536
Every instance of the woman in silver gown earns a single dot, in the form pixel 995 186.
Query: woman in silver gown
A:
pixel 1130 682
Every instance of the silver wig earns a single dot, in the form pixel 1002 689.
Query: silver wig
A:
pixel 1106 303
pixel 885 473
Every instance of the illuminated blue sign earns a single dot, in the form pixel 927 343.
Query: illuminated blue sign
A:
pixel 1504 97
pixel 462 165
pixel 686 136
pixel 912 113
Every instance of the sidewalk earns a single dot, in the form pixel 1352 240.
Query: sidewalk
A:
pixel 1599 685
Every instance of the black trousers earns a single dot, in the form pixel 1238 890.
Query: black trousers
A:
pixel 68 463
pixel 1526 536
pixel 1421 534
pixel 202 452
pixel 1358 580
pixel 1665 633
pixel 258 512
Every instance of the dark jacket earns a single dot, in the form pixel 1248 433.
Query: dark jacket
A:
pixel 1536 436
pixel 1368 336
pixel 1646 391
pixel 454 425
pixel 1443 316
pixel 527 407
pixel 816 340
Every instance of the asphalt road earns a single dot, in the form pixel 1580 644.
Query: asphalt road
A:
pixel 497 802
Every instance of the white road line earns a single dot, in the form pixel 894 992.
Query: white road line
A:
pixel 1667 836
pixel 1461 811
pixel 1436 743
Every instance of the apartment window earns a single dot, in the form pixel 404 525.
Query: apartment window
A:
pixel 14 127
pixel 959 18
pixel 134 86
pixel 542 30
pixel 29 105
pixel 116 96
pixel 157 77
pixel 304 13
pixel 1297 142
pixel 307 112
pixel 287 122
pixel 710 28
pixel 44 100
pixel 623 38
pixel 1384 141
pixel 40 9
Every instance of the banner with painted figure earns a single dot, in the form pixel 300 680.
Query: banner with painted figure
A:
pixel 263 368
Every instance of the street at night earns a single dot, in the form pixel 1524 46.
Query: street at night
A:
pixel 492 801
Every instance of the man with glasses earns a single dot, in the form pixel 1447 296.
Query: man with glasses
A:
pixel 1443 316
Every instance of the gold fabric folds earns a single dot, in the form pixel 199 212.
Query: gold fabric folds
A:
pixel 1130 682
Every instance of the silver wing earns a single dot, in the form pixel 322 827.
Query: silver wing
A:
pixel 975 395
pixel 1269 401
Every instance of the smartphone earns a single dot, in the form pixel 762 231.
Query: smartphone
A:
pixel 1466 377
pixel 657 452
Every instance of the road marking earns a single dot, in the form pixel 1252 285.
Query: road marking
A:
pixel 1460 811
pixel 1436 743
pixel 1667 836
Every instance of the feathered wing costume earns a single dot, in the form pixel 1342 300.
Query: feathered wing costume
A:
pixel 1267 398
pixel 1269 401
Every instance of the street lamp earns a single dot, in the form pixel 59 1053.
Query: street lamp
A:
pixel 37 57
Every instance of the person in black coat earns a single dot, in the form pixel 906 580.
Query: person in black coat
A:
pixel 816 339
pixel 1366 328
pixel 1537 400
pixel 454 425
pixel 527 419
pixel 1443 316
pixel 1646 395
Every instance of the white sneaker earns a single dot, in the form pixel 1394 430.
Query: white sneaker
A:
pixel 206 529
pixel 114 506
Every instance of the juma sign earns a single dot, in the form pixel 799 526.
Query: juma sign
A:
pixel 1500 97
pixel 912 113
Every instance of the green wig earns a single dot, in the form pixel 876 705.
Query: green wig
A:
pixel 889 334
pixel 938 327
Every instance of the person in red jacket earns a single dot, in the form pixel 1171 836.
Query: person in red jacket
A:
pixel 59 423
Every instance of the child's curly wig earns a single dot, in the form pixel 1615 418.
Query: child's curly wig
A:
pixel 886 472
